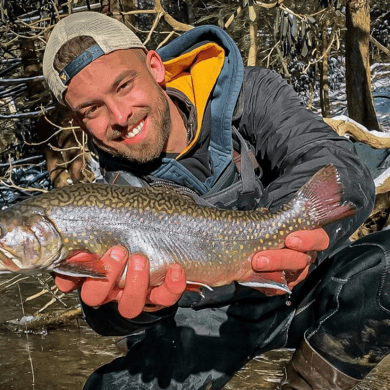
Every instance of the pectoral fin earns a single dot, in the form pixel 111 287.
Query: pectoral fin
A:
pixel 82 264
pixel 275 280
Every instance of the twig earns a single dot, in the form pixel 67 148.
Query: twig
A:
pixel 167 38
pixel 233 16
pixel 300 16
pixel 268 57
pixel 319 59
pixel 16 187
pixel 49 304
pixel 27 342
pixel 47 139
pixel 277 3
pixel 154 26
pixel 13 282
pixel 36 36
pixel 21 80
pixel 379 46
pixel 13 185
pixel 42 292
pixel 177 26
pixel 47 287
pixel 23 161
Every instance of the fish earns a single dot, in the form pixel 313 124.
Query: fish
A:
pixel 215 246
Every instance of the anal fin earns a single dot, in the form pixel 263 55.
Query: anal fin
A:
pixel 261 280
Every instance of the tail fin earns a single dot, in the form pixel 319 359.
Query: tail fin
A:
pixel 323 193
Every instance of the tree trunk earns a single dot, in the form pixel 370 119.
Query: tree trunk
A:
pixel 324 81
pixel 252 54
pixel 358 76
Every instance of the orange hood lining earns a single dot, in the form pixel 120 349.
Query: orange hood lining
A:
pixel 195 74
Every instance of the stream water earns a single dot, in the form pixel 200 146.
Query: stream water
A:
pixel 64 357
pixel 60 358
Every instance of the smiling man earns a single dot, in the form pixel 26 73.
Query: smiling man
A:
pixel 119 101
pixel 190 115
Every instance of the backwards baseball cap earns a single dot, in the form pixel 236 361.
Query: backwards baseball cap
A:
pixel 108 33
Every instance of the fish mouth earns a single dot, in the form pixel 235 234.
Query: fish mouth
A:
pixel 8 261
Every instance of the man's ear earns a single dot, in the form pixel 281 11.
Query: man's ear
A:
pixel 156 66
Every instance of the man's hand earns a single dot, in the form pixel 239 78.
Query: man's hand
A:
pixel 301 250
pixel 132 293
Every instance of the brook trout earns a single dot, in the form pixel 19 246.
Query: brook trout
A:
pixel 215 246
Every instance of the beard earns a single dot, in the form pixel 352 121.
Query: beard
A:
pixel 151 148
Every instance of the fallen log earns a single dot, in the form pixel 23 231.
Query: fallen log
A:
pixel 345 126
pixel 45 321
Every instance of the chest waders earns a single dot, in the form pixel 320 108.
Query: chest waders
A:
pixel 238 187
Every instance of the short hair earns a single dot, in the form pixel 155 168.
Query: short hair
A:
pixel 70 50
pixel 77 45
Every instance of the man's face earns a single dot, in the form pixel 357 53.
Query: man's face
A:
pixel 118 100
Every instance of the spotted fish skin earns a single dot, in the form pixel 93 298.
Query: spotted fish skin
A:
pixel 215 246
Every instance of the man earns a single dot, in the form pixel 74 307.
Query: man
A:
pixel 180 116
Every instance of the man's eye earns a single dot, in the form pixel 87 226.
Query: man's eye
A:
pixel 125 86
pixel 90 112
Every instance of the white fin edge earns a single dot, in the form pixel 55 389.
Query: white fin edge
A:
pixel 200 284
pixel 276 286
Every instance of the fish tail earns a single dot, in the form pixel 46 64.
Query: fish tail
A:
pixel 323 197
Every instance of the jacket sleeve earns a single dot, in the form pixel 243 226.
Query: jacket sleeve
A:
pixel 107 321
pixel 292 143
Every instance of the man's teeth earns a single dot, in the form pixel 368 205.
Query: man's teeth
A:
pixel 135 131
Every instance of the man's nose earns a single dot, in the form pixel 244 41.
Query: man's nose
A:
pixel 119 114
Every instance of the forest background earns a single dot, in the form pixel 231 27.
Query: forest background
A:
pixel 328 50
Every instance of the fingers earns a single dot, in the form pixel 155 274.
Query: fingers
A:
pixel 132 292
pixel 95 292
pixel 280 260
pixel 131 288
pixel 171 290
pixel 131 300
pixel 308 240
pixel 67 284
pixel 298 278
pixel 301 251
pixel 292 278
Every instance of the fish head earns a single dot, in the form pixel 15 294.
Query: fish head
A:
pixel 29 241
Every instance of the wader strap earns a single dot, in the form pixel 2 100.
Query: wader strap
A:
pixel 246 164
pixel 123 178
pixel 244 192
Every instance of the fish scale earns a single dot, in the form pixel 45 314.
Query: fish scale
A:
pixel 215 246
